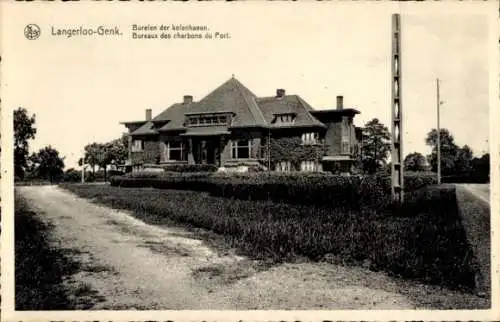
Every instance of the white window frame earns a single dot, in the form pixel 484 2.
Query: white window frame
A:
pixel 310 138
pixel 310 166
pixel 285 119
pixel 284 166
pixel 235 146
pixel 169 148
pixel 137 146
pixel 346 146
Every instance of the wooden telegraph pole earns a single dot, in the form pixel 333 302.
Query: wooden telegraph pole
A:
pixel 397 184
pixel 438 134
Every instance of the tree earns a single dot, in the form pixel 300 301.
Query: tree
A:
pixel 449 151
pixel 375 147
pixel 93 153
pixel 414 162
pixel 104 154
pixel 454 160
pixel 463 160
pixel 24 130
pixel 47 164
pixel 481 168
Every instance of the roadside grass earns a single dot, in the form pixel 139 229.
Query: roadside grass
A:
pixel 40 269
pixel 476 218
pixel 423 240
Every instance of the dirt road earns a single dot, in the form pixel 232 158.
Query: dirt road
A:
pixel 133 265
pixel 482 191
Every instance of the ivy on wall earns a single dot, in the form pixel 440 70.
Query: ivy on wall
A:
pixel 292 150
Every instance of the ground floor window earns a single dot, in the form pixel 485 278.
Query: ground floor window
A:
pixel 284 166
pixel 175 151
pixel 241 149
pixel 310 166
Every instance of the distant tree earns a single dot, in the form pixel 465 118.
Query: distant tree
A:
pixel 414 162
pixel 47 164
pixel 93 153
pixel 24 130
pixel 104 154
pixel 449 151
pixel 463 160
pixel 455 160
pixel 375 147
pixel 481 167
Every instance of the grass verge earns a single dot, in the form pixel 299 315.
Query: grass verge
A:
pixel 424 240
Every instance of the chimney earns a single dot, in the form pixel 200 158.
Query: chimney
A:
pixel 188 99
pixel 340 102
pixel 149 114
pixel 280 92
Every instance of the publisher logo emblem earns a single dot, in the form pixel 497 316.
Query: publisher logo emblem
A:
pixel 32 31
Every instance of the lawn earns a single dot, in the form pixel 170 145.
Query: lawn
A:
pixel 424 240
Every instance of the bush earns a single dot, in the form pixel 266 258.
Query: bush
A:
pixel 308 189
pixel 427 243
pixel 72 175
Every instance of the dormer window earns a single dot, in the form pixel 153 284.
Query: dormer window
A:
pixel 208 120
pixel 286 118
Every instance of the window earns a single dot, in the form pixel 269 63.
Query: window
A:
pixel 208 120
pixel 345 145
pixel 284 166
pixel 137 145
pixel 310 166
pixel 222 119
pixel 310 138
pixel 241 149
pixel 285 118
pixel 175 151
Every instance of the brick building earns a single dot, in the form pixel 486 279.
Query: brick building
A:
pixel 231 126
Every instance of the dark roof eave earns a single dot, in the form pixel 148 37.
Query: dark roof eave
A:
pixel 143 134
pixel 274 127
pixel 335 111
pixel 248 126
pixel 209 113
pixel 133 122
pixel 172 129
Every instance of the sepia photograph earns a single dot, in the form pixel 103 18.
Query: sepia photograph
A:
pixel 248 156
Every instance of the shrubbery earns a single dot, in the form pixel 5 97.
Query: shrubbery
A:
pixel 424 241
pixel 185 167
pixel 308 189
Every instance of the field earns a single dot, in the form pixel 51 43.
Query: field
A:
pixel 423 240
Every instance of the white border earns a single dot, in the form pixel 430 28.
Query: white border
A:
pixel 447 7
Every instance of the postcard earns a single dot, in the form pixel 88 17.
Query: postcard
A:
pixel 249 160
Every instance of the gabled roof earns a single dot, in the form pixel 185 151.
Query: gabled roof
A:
pixel 289 104
pixel 248 110
pixel 173 116
pixel 235 97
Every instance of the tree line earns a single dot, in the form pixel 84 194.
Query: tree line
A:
pixel 48 164
pixel 372 157
pixel 457 163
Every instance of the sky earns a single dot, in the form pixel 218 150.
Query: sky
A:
pixel 81 88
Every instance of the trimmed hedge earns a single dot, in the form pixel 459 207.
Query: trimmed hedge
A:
pixel 185 167
pixel 311 189
pixel 424 241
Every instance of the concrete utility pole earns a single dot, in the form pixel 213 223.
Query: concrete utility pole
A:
pixel 397 184
pixel 438 103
